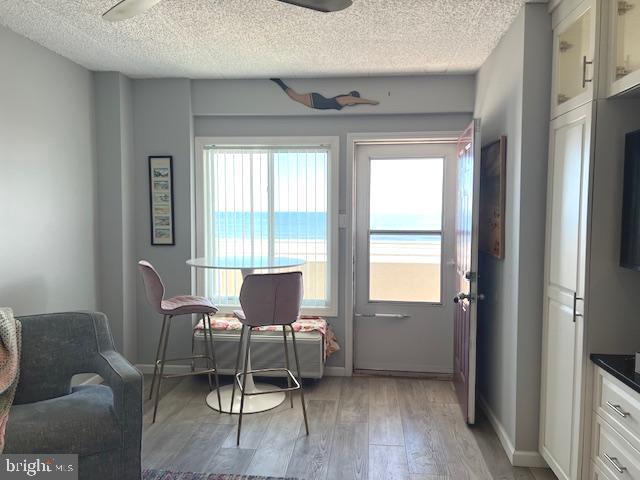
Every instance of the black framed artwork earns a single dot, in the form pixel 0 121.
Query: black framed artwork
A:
pixel 161 200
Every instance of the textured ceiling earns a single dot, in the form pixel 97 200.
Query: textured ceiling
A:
pixel 263 38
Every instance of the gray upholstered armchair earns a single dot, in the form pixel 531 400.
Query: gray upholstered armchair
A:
pixel 101 423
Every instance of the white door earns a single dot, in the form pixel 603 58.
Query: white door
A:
pixel 404 233
pixel 563 326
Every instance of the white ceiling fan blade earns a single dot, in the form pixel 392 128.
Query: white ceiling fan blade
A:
pixel 321 5
pixel 127 9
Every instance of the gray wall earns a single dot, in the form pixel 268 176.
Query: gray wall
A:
pixel 48 173
pixel 332 126
pixel 397 95
pixel 164 124
pixel 533 182
pixel 499 106
pixel 114 142
pixel 512 98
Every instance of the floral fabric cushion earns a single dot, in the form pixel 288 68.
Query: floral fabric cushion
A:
pixel 304 324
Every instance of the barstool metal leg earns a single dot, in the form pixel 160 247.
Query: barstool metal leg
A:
pixel 235 373
pixel 215 363
pixel 286 362
pixel 244 382
pixel 162 360
pixel 299 372
pixel 207 348
pixel 193 350
pixel 155 365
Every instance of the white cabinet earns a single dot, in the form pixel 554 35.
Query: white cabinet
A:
pixel 615 442
pixel 598 474
pixel 563 332
pixel 623 68
pixel 590 303
pixel 574 46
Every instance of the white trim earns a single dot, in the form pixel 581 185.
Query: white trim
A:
pixel 501 432
pixel 409 368
pixel 528 458
pixel 333 199
pixel 147 368
pixel 518 458
pixel 335 372
pixel 352 140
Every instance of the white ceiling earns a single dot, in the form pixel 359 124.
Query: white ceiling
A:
pixel 265 38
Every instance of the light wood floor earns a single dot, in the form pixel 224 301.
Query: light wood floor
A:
pixel 361 428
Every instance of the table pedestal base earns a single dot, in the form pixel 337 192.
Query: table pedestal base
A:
pixel 252 403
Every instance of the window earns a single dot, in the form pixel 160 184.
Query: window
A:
pixel 405 229
pixel 269 198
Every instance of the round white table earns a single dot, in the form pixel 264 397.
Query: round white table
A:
pixel 248 266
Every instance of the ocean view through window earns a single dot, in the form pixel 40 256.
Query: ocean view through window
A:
pixel 405 229
pixel 269 201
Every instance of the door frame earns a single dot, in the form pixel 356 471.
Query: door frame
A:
pixel 353 140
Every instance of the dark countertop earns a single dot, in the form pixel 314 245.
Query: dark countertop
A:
pixel 620 366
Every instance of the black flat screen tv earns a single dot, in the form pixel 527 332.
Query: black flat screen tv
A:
pixel 630 242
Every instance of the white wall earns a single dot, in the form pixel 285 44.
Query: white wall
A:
pixel 512 98
pixel 48 176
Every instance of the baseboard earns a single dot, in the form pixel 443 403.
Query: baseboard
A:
pixel 446 377
pixel 527 458
pixel 518 458
pixel 406 368
pixel 498 428
pixel 335 372
pixel 168 369
pixel 180 369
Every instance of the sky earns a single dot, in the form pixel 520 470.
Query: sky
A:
pixel 404 193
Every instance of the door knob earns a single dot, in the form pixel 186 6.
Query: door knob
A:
pixel 461 296
pixel 464 296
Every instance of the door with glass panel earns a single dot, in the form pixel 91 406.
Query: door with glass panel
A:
pixel 404 235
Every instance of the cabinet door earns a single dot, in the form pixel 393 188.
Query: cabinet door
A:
pixel 624 40
pixel 565 261
pixel 574 40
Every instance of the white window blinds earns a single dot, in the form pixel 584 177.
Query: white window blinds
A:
pixel 268 202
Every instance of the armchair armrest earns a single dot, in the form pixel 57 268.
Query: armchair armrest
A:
pixel 125 382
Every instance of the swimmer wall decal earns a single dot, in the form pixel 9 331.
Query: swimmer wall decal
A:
pixel 320 102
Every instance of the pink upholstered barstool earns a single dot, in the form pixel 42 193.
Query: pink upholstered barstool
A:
pixel 169 308
pixel 269 299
